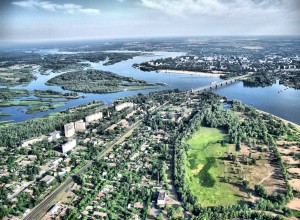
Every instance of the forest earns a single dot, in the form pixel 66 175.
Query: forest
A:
pixel 97 81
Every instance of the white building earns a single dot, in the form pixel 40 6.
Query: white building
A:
pixel 69 129
pixel 54 210
pixel 80 126
pixel 94 117
pixel 161 200
pixel 48 179
pixel 53 136
pixel 68 146
pixel 31 141
pixel 120 107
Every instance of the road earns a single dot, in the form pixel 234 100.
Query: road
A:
pixel 35 212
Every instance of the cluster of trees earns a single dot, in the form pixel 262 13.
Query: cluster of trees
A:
pixel 232 212
pixel 264 79
pixel 17 77
pixel 85 201
pixel 260 79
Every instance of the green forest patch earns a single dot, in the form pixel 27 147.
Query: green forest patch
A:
pixel 97 81
pixel 204 168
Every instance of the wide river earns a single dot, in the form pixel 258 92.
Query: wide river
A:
pixel 285 104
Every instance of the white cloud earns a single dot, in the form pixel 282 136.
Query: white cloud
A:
pixel 48 6
pixel 212 7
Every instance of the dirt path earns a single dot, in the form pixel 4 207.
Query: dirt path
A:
pixel 269 175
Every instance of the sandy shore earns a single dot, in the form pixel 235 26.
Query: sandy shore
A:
pixel 285 121
pixel 191 73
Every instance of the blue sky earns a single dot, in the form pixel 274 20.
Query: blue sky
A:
pixel 39 20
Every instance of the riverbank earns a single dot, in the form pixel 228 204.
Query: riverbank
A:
pixel 192 73
pixel 284 120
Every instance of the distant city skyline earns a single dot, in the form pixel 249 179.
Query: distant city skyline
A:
pixel 53 20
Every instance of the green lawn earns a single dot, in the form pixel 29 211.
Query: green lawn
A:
pixel 204 168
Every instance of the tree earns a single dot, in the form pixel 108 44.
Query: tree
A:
pixel 287 212
pixel 245 183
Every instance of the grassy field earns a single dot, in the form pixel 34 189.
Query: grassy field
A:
pixel 4 114
pixel 39 108
pixel 204 168
pixel 5 123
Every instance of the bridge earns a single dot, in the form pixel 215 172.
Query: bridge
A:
pixel 217 85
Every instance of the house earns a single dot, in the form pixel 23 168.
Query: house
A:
pixel 32 157
pixel 62 173
pixel 135 217
pixel 138 205
pixel 161 199
pixel 53 210
pixel 101 194
pixel 104 174
pixel 100 214
pixel 48 179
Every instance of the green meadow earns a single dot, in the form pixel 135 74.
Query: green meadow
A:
pixel 204 168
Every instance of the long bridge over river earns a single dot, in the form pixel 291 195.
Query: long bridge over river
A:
pixel 216 85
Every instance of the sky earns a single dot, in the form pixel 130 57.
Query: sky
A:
pixel 53 20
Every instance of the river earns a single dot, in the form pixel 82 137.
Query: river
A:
pixel 285 104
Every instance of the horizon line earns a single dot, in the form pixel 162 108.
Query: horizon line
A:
pixel 62 40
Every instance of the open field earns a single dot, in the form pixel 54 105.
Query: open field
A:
pixel 264 172
pixel 204 168
pixel 288 150
pixel 294 204
pixel 295 183
pixel 294 170
pixel 289 160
